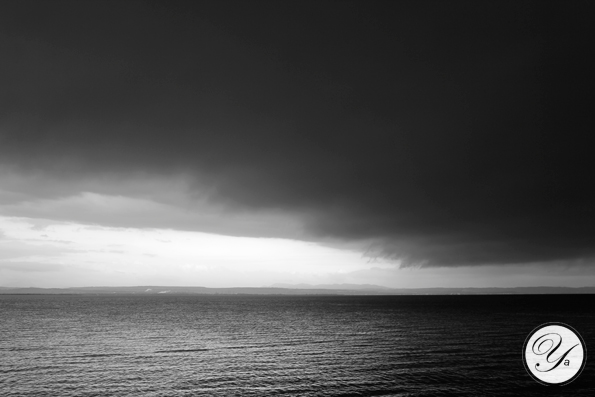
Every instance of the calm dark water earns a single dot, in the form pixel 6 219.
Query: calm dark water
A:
pixel 279 345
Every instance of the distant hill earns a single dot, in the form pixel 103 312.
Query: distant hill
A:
pixel 298 289
pixel 356 287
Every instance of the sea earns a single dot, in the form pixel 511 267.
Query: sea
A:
pixel 266 345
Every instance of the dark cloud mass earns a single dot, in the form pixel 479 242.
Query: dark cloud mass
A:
pixel 451 133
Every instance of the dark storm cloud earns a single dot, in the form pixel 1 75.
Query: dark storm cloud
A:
pixel 451 133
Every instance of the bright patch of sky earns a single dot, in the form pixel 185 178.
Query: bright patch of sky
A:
pixel 47 253
pixel 56 254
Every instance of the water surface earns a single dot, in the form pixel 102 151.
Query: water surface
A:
pixel 247 345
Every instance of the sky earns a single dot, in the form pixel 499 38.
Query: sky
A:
pixel 233 143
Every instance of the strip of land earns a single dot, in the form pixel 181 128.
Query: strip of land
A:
pixel 300 289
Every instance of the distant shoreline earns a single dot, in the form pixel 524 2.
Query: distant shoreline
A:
pixel 332 291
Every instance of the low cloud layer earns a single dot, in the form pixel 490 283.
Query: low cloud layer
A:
pixel 444 134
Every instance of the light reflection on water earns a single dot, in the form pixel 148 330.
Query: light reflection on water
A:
pixel 276 345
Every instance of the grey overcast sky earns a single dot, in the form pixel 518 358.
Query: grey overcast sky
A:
pixel 411 143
